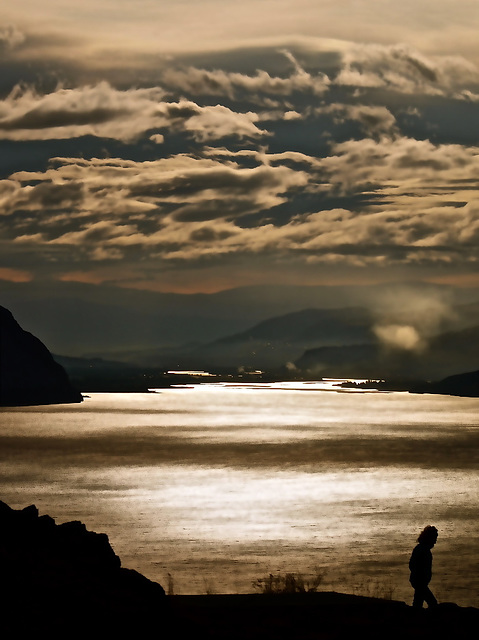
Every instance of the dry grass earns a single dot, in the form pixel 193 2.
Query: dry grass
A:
pixel 375 588
pixel 290 582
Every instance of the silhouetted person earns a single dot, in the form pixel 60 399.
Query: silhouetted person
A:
pixel 420 566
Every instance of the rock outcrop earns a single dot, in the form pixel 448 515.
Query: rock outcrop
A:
pixel 62 574
pixel 28 373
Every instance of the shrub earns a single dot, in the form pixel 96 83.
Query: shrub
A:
pixel 289 582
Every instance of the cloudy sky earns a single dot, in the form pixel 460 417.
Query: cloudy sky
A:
pixel 196 145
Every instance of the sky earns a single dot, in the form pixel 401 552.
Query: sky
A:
pixel 198 145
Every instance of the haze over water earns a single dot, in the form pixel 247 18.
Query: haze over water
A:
pixel 219 485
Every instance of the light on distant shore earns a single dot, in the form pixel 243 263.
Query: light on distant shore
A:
pixel 192 373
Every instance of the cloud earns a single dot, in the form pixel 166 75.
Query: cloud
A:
pixel 217 121
pixel 402 68
pixel 399 165
pixel 157 138
pixel 375 120
pixel 112 32
pixel 15 275
pixel 10 37
pixel 162 205
pixel 397 68
pixel 104 111
pixel 234 84
pixel 186 208
pixel 399 337
pixel 406 319
pixel 315 153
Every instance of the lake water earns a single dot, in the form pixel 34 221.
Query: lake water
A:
pixel 220 485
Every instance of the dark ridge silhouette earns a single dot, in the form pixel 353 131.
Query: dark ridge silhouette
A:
pixel 98 374
pixel 63 574
pixel 309 325
pixel 462 384
pixel 28 373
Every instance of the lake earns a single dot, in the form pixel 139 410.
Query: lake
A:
pixel 214 486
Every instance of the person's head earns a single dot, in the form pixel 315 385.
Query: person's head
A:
pixel 428 536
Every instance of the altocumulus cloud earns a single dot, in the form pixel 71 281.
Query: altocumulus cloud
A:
pixel 403 69
pixel 342 154
pixel 106 112
pixel 234 84
pixel 164 201
pixel 396 68
pixel 186 208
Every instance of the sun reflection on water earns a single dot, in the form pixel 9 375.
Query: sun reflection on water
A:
pixel 229 482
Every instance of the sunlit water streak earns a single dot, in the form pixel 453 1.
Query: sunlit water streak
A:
pixel 219 485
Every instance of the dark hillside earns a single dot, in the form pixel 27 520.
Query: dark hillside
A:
pixel 28 373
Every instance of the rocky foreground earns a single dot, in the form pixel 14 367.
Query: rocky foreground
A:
pixel 66 582
pixel 64 578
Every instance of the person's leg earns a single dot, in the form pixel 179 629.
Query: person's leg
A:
pixel 419 596
pixel 429 598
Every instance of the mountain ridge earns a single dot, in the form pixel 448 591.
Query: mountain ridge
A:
pixel 85 319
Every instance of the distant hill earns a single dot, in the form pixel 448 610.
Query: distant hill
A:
pixel 315 342
pixel 118 324
pixel 444 355
pixel 462 384
pixel 309 325
pixel 99 375
pixel 28 373
pixel 333 342
pixel 279 340
pixel 321 330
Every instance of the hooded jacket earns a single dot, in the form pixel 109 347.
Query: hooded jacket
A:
pixel 420 564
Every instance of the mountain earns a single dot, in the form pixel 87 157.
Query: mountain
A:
pixel 277 341
pixel 115 323
pixel 28 373
pixel 257 327
pixel 308 325
pixel 344 342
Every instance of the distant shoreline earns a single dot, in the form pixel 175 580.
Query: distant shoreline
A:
pixel 414 387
